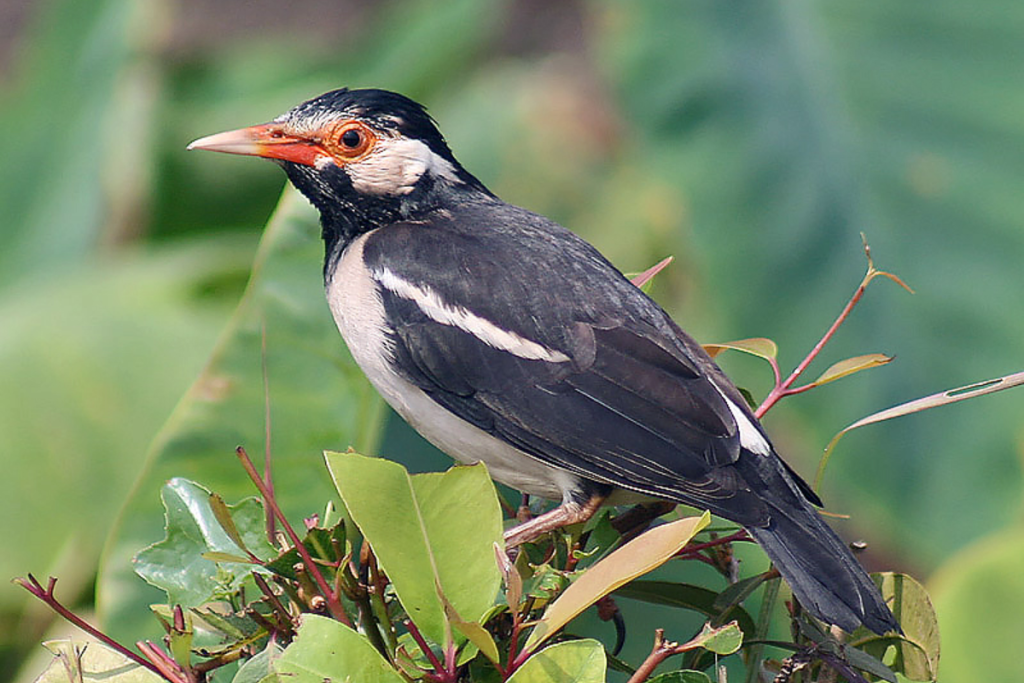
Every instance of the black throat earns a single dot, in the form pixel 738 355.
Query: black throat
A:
pixel 345 214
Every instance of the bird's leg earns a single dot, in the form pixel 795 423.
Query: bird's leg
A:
pixel 524 514
pixel 563 515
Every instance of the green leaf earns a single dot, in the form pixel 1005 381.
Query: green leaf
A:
pixel 574 661
pixel 641 555
pixel 79 660
pixel 431 532
pixel 847 367
pixel 317 398
pixel 76 135
pixel 682 676
pixel 259 666
pixel 722 640
pixel 917 650
pixel 758 346
pixel 177 564
pixel 325 650
pixel 684 596
pixel 979 600
pixel 737 592
pixel 103 387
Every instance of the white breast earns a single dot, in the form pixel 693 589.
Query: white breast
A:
pixel 355 302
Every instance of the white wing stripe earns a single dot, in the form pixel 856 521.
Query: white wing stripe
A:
pixel 750 436
pixel 437 309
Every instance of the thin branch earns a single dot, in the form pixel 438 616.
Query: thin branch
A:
pixel 268 478
pixel 439 668
pixel 662 650
pixel 784 388
pixel 334 605
pixel 32 585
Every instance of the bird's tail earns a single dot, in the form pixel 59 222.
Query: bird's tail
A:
pixel 823 573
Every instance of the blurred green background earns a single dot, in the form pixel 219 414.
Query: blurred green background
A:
pixel 752 140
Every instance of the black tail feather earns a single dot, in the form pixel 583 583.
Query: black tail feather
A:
pixel 823 573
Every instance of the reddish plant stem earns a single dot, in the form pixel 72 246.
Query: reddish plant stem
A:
pixel 334 605
pixel 515 658
pixel 32 585
pixel 694 548
pixel 783 389
pixel 275 603
pixel 169 668
pixel 268 478
pixel 662 650
pixel 441 673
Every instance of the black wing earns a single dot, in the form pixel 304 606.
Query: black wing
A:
pixel 631 407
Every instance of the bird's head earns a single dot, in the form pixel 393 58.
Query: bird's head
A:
pixel 362 157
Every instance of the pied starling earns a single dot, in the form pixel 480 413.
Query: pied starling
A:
pixel 503 337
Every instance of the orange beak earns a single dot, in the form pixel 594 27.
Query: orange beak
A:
pixel 268 140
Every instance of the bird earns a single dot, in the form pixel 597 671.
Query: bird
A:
pixel 503 337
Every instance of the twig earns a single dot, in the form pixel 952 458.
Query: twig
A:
pixel 334 605
pixel 785 388
pixel 268 478
pixel 441 674
pixel 32 585
pixel 165 665
pixel 662 650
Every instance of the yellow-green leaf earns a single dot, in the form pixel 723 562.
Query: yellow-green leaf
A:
pixel 756 346
pixel 80 660
pixel 851 365
pixel 917 650
pixel 641 555
pixel 574 661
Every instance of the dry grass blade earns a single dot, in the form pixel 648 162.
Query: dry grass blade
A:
pixel 942 398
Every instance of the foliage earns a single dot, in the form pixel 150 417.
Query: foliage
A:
pixel 414 565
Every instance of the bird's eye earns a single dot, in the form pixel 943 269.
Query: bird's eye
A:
pixel 352 138
pixel 348 140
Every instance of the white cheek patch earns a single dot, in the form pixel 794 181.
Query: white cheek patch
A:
pixel 750 436
pixel 439 311
pixel 395 165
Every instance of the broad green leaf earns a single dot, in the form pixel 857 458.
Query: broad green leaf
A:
pixel 641 555
pixel 917 650
pixel 574 661
pixel 178 564
pixel 259 666
pixel 480 637
pixel 317 398
pixel 326 650
pixel 739 591
pixel 76 134
pixel 979 599
pixel 431 532
pixel 684 596
pixel 758 346
pixel 683 676
pixel 849 366
pixel 916 406
pixel 722 640
pixel 76 661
